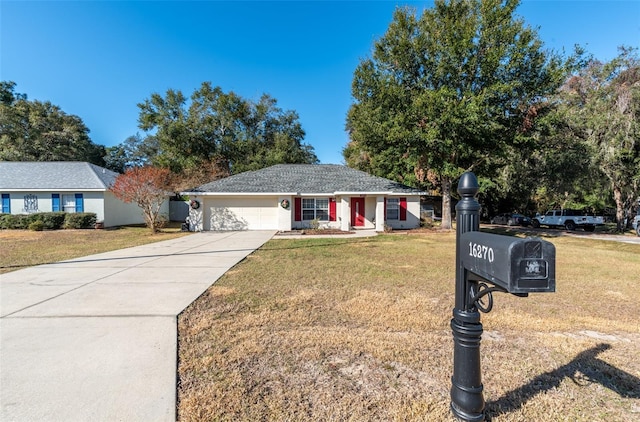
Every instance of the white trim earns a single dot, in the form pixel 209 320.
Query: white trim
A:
pixel 54 190
pixel 304 194
pixel 240 193
pixel 355 193
pixel 316 195
pixel 325 194
pixel 367 193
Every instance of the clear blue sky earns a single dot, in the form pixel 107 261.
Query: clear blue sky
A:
pixel 98 59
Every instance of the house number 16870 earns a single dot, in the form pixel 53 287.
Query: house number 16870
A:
pixel 481 251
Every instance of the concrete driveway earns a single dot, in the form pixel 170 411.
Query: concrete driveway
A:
pixel 95 338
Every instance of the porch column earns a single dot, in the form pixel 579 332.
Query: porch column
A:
pixel 380 214
pixel 345 214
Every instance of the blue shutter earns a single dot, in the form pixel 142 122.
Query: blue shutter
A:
pixel 55 202
pixel 79 203
pixel 6 203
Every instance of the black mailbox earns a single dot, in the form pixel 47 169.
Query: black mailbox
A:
pixel 517 265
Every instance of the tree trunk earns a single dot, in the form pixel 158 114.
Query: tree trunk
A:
pixel 617 196
pixel 446 203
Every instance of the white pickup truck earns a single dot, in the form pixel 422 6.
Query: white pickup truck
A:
pixel 569 219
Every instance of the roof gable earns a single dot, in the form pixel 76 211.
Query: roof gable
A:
pixel 54 175
pixel 306 179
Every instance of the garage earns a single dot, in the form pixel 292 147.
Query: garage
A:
pixel 241 213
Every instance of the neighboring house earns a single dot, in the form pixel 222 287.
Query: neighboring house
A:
pixel 295 196
pixel 29 187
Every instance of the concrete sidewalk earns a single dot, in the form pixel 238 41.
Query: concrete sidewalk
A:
pixel 95 338
pixel 355 233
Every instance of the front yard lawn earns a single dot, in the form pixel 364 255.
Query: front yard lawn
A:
pixel 24 248
pixel 358 329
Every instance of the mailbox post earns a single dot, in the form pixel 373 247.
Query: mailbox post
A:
pixel 467 401
pixel 487 263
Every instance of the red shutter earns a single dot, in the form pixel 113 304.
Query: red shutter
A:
pixel 403 209
pixel 332 209
pixel 297 209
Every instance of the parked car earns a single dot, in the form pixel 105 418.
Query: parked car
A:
pixel 636 222
pixel 511 219
pixel 569 219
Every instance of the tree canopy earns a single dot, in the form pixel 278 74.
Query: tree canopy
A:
pixel 135 151
pixel 447 91
pixel 221 132
pixel 602 105
pixel 41 131
pixel 587 153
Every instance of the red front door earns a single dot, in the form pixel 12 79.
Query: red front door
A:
pixel 357 212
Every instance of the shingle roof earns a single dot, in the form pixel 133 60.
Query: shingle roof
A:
pixel 305 178
pixel 54 175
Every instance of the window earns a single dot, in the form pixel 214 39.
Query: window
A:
pixel 73 203
pixel 6 203
pixel 308 209
pixel 393 208
pixel 322 209
pixel 30 203
pixel 68 203
pixel 315 208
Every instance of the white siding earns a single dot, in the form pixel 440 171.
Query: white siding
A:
pixel 285 215
pixel 369 212
pixel 118 213
pixel 93 202
pixel 413 215
pixel 108 208
pixel 266 213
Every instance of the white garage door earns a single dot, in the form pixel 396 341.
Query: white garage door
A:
pixel 241 214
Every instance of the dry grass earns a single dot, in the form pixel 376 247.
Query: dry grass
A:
pixel 23 248
pixel 335 330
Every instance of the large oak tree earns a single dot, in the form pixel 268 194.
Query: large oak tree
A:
pixel 222 132
pixel 41 131
pixel 448 90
